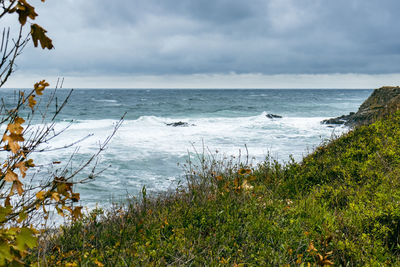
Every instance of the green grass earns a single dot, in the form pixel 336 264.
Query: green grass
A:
pixel 340 205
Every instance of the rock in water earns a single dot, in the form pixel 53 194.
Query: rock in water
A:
pixel 178 124
pixel 382 102
pixel 273 116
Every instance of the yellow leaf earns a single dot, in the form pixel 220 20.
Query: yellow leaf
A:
pixel 40 195
pixel 60 211
pixel 311 247
pixel 99 264
pixel 40 86
pixel 55 196
pixel 11 176
pixel 19 120
pixel 31 101
pixel 24 10
pixel 39 34
pixel 29 163
pixel 327 262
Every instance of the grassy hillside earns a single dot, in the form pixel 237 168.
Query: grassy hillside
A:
pixel 340 205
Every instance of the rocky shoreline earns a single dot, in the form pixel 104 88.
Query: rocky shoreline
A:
pixel 382 102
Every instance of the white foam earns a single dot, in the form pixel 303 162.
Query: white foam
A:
pixel 145 151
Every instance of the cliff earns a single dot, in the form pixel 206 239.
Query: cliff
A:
pixel 382 102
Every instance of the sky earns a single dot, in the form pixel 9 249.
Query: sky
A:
pixel 216 44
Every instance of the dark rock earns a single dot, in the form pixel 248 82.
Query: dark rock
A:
pixel 382 102
pixel 339 120
pixel 273 116
pixel 179 124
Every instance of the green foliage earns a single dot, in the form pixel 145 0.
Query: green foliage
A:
pixel 340 206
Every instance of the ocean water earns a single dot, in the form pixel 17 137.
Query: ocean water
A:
pixel 146 151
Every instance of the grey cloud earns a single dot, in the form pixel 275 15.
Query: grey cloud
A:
pixel 161 37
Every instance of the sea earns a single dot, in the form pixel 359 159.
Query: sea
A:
pixel 147 151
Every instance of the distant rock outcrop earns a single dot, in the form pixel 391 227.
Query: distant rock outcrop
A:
pixel 179 124
pixel 382 102
pixel 273 116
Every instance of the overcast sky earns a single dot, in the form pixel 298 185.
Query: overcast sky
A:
pixel 217 43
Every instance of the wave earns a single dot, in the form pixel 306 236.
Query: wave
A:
pixel 145 151
pixel 105 100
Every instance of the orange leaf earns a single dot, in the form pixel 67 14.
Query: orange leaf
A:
pixel 16 137
pixel 19 120
pixel 12 144
pixel 11 176
pixel 17 186
pixel 15 128
pixel 77 213
pixel 22 168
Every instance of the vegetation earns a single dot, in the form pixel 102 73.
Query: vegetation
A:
pixel 28 191
pixel 339 206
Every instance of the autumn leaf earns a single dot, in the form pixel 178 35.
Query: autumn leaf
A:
pixel 22 168
pixel 26 239
pixel 99 264
pixel 17 186
pixel 311 247
pixel 60 211
pixel 75 197
pixel 77 213
pixel 11 176
pixel 24 11
pixel 16 127
pixel 29 163
pixel 39 34
pixel 40 86
pixel 244 171
pixel 22 216
pixel 40 195
pixel 19 120
pixel 12 142
pixel 32 101
pixel 16 137
pixel 55 196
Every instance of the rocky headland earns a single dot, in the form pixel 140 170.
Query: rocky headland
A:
pixel 381 103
